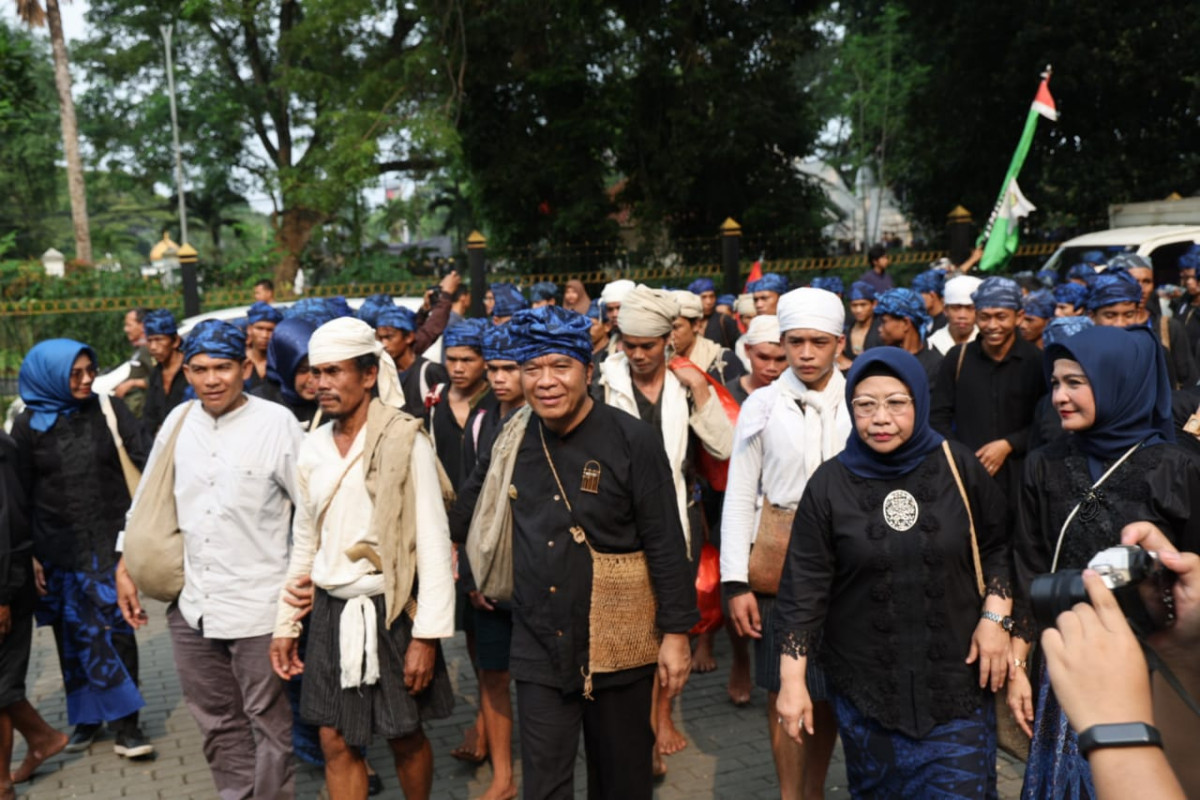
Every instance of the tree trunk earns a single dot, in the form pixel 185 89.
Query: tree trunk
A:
pixel 70 132
pixel 293 228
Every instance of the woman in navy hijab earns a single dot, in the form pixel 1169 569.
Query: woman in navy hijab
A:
pixel 68 461
pixel 1118 464
pixel 884 587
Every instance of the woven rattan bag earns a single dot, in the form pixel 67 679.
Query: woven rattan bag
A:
pixel 769 550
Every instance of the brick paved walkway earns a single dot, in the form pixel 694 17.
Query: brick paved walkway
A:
pixel 727 755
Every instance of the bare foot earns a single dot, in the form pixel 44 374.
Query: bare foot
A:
pixel 39 751
pixel 7 791
pixel 669 740
pixel 659 767
pixel 507 793
pixel 474 749
pixel 739 682
pixel 702 659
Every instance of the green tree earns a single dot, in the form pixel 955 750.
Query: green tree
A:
pixel 311 100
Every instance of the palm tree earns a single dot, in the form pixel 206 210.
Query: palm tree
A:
pixel 32 13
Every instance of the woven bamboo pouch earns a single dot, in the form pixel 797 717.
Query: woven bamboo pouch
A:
pixel 621 620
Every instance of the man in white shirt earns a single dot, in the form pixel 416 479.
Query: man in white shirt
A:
pixel 370 528
pixel 235 477
pixel 784 432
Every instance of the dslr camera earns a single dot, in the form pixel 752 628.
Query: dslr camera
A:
pixel 1134 575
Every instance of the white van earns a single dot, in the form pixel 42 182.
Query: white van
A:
pixel 1162 244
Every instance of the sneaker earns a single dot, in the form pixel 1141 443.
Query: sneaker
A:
pixel 82 738
pixel 132 744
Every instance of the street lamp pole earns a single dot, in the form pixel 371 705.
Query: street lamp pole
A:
pixel 183 231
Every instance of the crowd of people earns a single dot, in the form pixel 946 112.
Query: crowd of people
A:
pixel 322 495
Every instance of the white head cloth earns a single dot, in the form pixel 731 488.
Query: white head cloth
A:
pixel 744 306
pixel 616 291
pixel 689 304
pixel 958 290
pixel 811 308
pixel 648 312
pixel 762 329
pixel 345 338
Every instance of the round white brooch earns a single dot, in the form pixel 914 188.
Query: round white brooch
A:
pixel 900 510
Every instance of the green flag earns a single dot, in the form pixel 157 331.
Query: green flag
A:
pixel 1011 205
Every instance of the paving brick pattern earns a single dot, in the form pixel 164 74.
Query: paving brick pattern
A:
pixel 727 754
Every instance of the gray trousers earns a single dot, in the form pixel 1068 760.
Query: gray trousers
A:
pixel 240 706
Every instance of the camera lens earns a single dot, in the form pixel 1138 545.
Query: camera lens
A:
pixel 1050 595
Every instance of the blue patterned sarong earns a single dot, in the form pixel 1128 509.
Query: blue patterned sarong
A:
pixel 84 606
pixel 955 759
pixel 1055 769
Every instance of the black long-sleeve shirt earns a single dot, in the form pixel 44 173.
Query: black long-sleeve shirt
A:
pixel 76 488
pixel 990 400
pixel 722 329
pixel 159 401
pixel 633 510
pixel 15 545
pixel 890 613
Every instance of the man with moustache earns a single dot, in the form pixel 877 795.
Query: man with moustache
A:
pixel 167 382
pixel 371 534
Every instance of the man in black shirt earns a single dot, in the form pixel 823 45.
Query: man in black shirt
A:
pixel 395 328
pixel 904 323
pixel 586 480
pixel 718 327
pixel 986 396
pixel 167 382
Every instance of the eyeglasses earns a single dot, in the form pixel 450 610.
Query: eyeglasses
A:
pixel 77 374
pixel 894 404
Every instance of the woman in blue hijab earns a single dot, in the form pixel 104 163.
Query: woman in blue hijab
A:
pixel 78 495
pixel 901 593
pixel 1117 464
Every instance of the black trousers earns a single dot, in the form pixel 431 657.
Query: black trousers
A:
pixel 617 740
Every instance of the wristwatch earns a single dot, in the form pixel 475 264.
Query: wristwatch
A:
pixel 1120 734
pixel 1003 622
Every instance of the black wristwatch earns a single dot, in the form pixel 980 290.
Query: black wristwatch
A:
pixel 1003 622
pixel 1120 734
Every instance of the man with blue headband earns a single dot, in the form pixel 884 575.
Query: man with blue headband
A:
pixel 1039 309
pixel 1172 335
pixel 261 320
pixel 508 301
pixel 167 383
pixel 600 331
pixel 767 291
pixel 229 460
pixel 1082 274
pixel 987 390
pixel 904 323
pixel 830 283
pixel 453 407
pixel 863 331
pixel 931 284
pixel 543 293
pixel 396 327
pixel 568 481
pixel 717 327
pixel 1070 299
pixel 876 274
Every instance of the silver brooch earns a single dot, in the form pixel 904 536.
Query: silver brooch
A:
pixel 900 510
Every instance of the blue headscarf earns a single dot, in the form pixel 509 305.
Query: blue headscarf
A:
pixel 1071 293
pixel 401 318
pixel 1113 286
pixel 498 343
pixel 369 311
pixel 550 329
pixel 1060 329
pixel 998 292
pixel 858 457
pixel 931 280
pixel 542 290
pixel 44 382
pixel 509 300
pixel 1127 370
pixel 596 310
pixel 702 285
pixel 1094 257
pixel 771 282
pixel 1082 272
pixel 468 333
pixel 287 348
pixel 905 303
pixel 263 312
pixel 1191 258
pixel 1047 277
pixel 160 322
pixel 861 290
pixel 215 338
pixel 726 300
pixel 319 309
pixel 1128 261
pixel 1040 304
pixel 830 283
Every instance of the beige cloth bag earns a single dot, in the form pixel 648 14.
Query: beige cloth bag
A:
pixel 153 541
pixel 489 539
pixel 133 475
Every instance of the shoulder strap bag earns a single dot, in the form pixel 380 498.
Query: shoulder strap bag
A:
pixel 132 474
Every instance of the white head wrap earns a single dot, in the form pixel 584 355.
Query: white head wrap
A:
pixel 689 304
pixel 744 306
pixel 762 329
pixel 345 338
pixel 958 290
pixel 648 312
pixel 812 308
pixel 617 291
